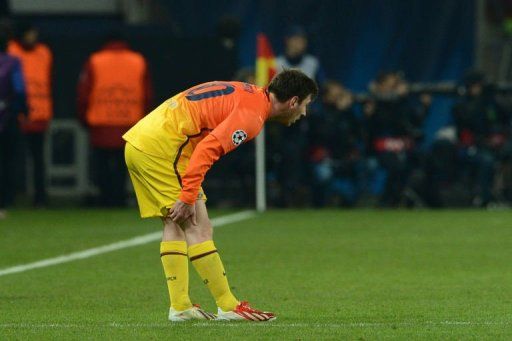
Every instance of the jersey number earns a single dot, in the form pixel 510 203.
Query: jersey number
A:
pixel 192 95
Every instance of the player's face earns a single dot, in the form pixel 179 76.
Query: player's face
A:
pixel 296 110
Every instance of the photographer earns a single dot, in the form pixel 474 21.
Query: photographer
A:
pixel 394 128
pixel 335 156
pixel 482 131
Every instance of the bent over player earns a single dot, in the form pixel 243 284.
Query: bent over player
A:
pixel 168 153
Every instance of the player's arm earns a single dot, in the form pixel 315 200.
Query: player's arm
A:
pixel 237 128
pixel 240 126
pixel 207 152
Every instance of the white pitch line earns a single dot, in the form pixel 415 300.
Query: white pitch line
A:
pixel 140 240
pixel 221 324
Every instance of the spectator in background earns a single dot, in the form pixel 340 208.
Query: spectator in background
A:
pixel 288 146
pixel 246 74
pixel 503 179
pixel 336 144
pixel 295 55
pixel 393 131
pixel 228 31
pixel 505 172
pixel 36 61
pixel 12 103
pixel 482 130
pixel 114 92
pixel 440 167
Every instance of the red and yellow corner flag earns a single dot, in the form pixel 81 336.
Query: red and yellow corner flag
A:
pixel 265 61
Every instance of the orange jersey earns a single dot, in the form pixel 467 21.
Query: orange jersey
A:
pixel 210 119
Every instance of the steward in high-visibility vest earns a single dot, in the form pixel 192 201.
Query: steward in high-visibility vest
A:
pixel 113 94
pixel 117 94
pixel 36 63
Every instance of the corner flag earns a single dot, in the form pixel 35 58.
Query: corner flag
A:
pixel 265 61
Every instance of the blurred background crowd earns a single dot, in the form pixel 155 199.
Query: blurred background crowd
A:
pixel 415 110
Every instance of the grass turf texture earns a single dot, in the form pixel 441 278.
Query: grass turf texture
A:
pixel 327 274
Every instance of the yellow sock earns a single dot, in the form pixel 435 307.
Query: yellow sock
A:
pixel 206 260
pixel 175 262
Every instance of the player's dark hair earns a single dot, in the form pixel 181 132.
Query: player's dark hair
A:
pixel 291 83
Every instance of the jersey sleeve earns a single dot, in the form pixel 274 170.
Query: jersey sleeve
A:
pixel 207 152
pixel 240 126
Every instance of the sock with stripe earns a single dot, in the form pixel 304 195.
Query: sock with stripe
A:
pixel 206 261
pixel 175 262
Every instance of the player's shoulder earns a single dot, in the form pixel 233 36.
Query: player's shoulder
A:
pixel 254 101
pixel 234 85
pixel 223 83
pixel 251 94
pixel 247 87
pixel 227 90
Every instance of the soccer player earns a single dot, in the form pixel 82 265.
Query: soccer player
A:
pixel 168 153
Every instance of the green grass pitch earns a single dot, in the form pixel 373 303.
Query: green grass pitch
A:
pixel 363 274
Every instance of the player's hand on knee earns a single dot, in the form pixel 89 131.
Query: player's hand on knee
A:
pixel 181 211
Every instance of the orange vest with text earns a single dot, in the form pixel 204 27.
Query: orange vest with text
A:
pixel 117 94
pixel 36 64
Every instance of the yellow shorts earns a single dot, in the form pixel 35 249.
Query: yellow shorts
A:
pixel 156 181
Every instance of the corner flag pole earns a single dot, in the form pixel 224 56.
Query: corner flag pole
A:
pixel 261 193
pixel 265 70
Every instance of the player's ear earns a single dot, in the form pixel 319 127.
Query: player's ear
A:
pixel 294 102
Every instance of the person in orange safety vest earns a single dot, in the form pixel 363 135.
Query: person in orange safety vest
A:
pixel 114 92
pixel 36 62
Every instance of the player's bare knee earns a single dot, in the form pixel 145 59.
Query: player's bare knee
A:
pixel 201 232
pixel 172 231
pixel 207 231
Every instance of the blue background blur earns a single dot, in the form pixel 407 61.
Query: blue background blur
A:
pixel 354 40
pixel 429 40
